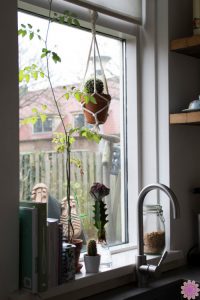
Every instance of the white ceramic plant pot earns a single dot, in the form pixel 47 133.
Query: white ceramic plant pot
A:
pixel 92 263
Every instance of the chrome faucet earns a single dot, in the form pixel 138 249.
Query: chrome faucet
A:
pixel 143 270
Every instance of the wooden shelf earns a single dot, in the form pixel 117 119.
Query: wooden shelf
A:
pixel 192 118
pixel 188 46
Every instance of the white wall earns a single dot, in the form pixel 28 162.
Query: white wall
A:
pixel 9 150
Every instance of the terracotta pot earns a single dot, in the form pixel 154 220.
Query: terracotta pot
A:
pixel 78 243
pixel 92 263
pixel 101 103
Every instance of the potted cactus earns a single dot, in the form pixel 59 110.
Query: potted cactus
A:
pixel 92 258
pixel 96 111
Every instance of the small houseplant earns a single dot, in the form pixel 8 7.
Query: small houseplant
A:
pixel 96 112
pixel 92 258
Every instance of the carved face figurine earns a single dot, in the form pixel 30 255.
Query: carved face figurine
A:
pixel 76 222
pixel 40 193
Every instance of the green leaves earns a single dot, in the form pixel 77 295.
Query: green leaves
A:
pixel 31 35
pixel 52 54
pixel 29 72
pixel 45 52
pixel 66 95
pixel 67 18
pixel 59 140
pixel 77 95
pixel 22 32
pixel 28 30
pixel 55 57
pixel 90 135
pixel 88 98
pixel 37 115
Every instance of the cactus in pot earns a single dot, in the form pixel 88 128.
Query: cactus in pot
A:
pixel 92 258
pixel 95 108
pixel 92 248
pixel 89 86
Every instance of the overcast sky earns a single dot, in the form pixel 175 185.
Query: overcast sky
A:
pixel 72 45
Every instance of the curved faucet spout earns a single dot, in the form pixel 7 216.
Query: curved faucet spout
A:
pixel 142 195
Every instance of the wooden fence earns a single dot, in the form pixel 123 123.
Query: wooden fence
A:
pixel 49 168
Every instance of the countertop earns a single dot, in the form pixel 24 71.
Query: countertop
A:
pixel 123 292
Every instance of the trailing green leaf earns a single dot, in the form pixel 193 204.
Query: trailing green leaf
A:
pixel 55 57
pixel 66 95
pixel 30 72
pixel 31 35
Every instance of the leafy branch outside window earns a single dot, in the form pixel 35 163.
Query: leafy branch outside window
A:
pixel 63 141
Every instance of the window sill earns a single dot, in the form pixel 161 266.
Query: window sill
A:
pixel 121 273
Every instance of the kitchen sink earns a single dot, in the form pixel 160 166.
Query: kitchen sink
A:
pixel 171 291
pixel 156 291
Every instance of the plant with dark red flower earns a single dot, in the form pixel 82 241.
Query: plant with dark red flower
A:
pixel 98 191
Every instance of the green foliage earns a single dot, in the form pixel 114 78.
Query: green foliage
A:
pixel 89 86
pixel 29 72
pixel 60 139
pixel 48 53
pixel 89 98
pixel 92 248
pixel 100 216
pixel 66 18
pixel 90 135
pixel 27 30
pixel 37 115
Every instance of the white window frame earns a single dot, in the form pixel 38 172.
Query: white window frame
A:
pixel 130 79
pixel 9 153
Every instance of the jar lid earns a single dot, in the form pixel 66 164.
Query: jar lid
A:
pixel 152 208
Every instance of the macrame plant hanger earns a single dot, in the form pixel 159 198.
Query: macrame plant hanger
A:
pixel 95 48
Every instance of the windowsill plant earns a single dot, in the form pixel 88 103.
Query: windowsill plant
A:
pixel 98 191
pixel 92 258
pixel 62 140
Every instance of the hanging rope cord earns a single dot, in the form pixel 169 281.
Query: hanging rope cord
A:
pixel 94 46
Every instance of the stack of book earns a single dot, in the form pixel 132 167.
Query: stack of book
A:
pixel 45 259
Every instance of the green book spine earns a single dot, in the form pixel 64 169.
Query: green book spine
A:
pixel 42 243
pixel 28 249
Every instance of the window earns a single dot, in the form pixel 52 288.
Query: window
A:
pixel 40 127
pixel 103 162
pixel 79 121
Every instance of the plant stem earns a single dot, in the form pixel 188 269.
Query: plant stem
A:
pixel 67 140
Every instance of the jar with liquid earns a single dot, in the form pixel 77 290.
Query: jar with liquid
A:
pixel 154 229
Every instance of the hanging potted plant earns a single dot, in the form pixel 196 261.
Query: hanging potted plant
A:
pixel 96 112
pixel 95 108
pixel 92 258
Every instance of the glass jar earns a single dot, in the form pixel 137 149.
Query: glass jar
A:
pixel 154 229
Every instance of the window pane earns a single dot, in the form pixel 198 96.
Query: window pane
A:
pixel 47 125
pixel 39 162
pixel 79 120
pixel 37 127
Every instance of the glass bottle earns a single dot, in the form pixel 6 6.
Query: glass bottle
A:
pixel 154 229
pixel 103 250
